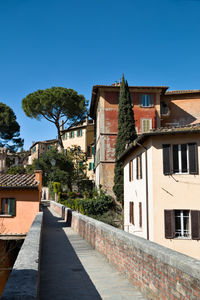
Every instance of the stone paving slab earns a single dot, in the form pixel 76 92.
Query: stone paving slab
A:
pixel 72 269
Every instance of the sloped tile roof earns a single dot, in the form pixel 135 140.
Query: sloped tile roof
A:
pixel 18 180
pixel 186 129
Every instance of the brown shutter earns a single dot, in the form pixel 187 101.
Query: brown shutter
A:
pixel 193 158
pixel 169 224
pixel 140 166
pixel 140 214
pixel 167 159
pixel 137 167
pixel 195 224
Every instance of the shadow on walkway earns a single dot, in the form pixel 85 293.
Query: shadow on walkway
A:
pixel 62 276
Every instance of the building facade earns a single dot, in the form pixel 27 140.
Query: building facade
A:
pixel 40 147
pixel 20 197
pixel 81 135
pixel 104 111
pixel 161 188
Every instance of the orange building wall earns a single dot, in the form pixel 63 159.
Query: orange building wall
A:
pixel 27 206
pixel 184 109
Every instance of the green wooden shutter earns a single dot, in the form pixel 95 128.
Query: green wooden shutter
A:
pixel 12 206
pixel 141 100
pixel 151 100
pixel 3 206
pixel 90 166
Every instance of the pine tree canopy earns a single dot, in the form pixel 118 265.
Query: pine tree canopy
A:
pixel 9 129
pixel 56 104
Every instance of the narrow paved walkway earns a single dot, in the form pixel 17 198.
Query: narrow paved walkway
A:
pixel 72 269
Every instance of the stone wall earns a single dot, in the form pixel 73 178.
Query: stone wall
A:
pixel 159 272
pixel 24 278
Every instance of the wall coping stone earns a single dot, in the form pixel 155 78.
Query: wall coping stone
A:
pixel 184 263
pixel 24 278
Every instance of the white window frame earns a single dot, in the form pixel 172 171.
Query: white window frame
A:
pixel 179 159
pixel 182 236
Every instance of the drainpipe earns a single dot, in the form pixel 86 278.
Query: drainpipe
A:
pixel 147 195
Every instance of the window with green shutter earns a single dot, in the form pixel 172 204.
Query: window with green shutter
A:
pixel 79 132
pixel 8 206
pixel 92 150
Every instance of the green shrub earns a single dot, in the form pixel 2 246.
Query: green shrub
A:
pixel 57 187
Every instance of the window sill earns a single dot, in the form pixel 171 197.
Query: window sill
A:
pixel 182 238
pixel 150 106
pixel 6 216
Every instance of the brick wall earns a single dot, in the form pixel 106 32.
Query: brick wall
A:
pixel 159 272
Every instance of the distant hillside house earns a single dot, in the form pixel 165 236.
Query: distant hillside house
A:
pixel 161 188
pixel 39 147
pixel 20 197
pixel 82 135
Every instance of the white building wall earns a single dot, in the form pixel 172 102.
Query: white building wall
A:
pixel 135 191
pixel 150 193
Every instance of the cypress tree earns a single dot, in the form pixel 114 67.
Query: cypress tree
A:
pixel 126 135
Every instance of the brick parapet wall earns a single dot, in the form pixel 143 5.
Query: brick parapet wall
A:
pixel 23 282
pixel 159 272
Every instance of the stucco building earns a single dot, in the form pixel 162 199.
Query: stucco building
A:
pixel 39 147
pixel 104 111
pixel 161 188
pixel 81 135
pixel 153 107
pixel 20 197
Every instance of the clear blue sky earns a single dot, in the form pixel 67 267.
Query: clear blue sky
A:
pixel 78 44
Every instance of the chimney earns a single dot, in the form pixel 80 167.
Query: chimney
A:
pixel 38 177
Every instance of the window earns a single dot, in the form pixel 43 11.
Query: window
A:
pixel 8 206
pixel 91 166
pixel 139 166
pixel 146 100
pixel 79 132
pixel 131 170
pixel 182 224
pixel 131 212
pixel 92 150
pixel 33 150
pixel 71 134
pixel 88 151
pixel 146 125
pixel 140 214
pixel 179 159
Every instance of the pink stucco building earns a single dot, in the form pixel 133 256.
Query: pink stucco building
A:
pixel 20 197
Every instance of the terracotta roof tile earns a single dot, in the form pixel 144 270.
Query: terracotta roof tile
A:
pixel 18 180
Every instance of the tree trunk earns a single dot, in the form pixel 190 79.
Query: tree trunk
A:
pixel 60 143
